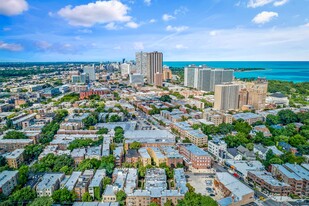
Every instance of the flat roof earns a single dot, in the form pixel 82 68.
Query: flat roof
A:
pixel 49 180
pixel 72 180
pixel 6 175
pixel 97 178
pixel 237 188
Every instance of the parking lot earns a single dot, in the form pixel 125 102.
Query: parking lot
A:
pixel 203 183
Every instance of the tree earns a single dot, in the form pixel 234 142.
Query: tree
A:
pixel 114 118
pixel 88 164
pixel 272 119
pixel 275 160
pixel 120 197
pixel 53 163
pixel 42 201
pixel 15 135
pixel 192 198
pixel 9 124
pixel 102 131
pixel 25 194
pixel 250 146
pixel 106 181
pixel 108 163
pixel 86 197
pixel 297 140
pixel 243 127
pixel 287 116
pixel 154 204
pixel 225 128
pixel 190 187
pixel 23 175
pixel 118 134
pixel 90 120
pixel 33 151
pixel 165 98
pixel 169 203
pixel 135 145
pixel 63 196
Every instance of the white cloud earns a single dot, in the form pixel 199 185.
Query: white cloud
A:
pixel 147 2
pixel 258 3
pixel 176 29
pixel 264 17
pixel 7 29
pixel 111 26
pixel 13 7
pixel 139 46
pixel 152 21
pixel 44 45
pixel 132 25
pixel 181 10
pixel 85 31
pixel 95 13
pixel 280 3
pixel 167 17
pixel 10 47
pixel 213 33
pixel 306 25
pixel 180 46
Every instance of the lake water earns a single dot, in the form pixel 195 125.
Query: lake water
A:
pixel 286 70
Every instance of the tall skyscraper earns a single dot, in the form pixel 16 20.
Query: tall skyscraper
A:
pixel 141 63
pixel 154 65
pixel 90 70
pixel 158 79
pixel 190 76
pixel 205 79
pixel 226 96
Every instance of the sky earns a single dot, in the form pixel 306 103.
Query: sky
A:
pixel 184 30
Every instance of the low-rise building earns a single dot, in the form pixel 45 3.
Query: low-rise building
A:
pixel 294 175
pixel 232 191
pixel 156 155
pixel 242 167
pixel 78 155
pixel 217 148
pixel 83 183
pixel 15 158
pixel 248 117
pixel 9 145
pixel 50 182
pixel 144 156
pixel 149 138
pixel 71 182
pixel 8 181
pixel 96 184
pixel 268 184
pixel 195 156
pixel 132 156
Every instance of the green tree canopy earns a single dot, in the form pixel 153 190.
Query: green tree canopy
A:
pixel 63 196
pixel 15 135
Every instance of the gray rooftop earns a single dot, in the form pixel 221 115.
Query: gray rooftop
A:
pixel 97 178
pixel 49 180
pixel 237 188
pixel 6 175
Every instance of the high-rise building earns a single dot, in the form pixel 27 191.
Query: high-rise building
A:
pixel 167 73
pixel 190 76
pixel 205 79
pixel 158 79
pixel 141 63
pixel 91 71
pixel 125 69
pixel 154 65
pixel 257 93
pixel 226 96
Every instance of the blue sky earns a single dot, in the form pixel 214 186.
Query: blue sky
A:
pixel 84 30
